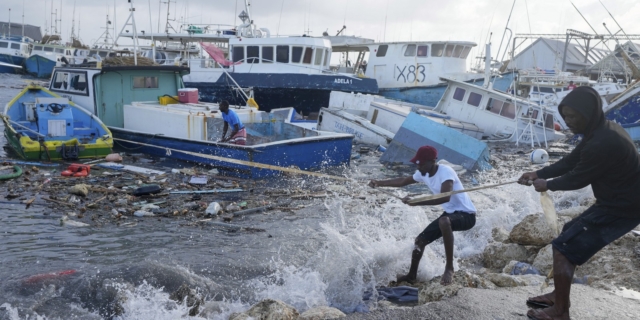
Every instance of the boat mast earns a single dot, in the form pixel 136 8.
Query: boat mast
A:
pixel 131 21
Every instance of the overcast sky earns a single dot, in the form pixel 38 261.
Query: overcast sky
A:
pixel 381 20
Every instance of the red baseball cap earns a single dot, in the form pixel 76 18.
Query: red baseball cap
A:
pixel 425 153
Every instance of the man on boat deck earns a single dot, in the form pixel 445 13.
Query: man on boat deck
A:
pixel 238 133
pixel 459 211
pixel 571 86
pixel 606 159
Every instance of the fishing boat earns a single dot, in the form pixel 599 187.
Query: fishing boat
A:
pixel 14 50
pixel 148 108
pixel 44 57
pixel 291 71
pixel 410 71
pixel 376 119
pixel 625 108
pixel 40 125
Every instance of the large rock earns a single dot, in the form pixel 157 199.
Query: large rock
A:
pixel 185 295
pixel 322 313
pixel 434 291
pixel 533 230
pixel 507 280
pixel 544 260
pixel 499 234
pixel 497 255
pixel 268 309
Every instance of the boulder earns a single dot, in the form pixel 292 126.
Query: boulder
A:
pixel 497 255
pixel 185 295
pixel 572 212
pixel 533 230
pixel 434 291
pixel 322 313
pixel 544 260
pixel 268 309
pixel 499 234
pixel 507 280
pixel 79 190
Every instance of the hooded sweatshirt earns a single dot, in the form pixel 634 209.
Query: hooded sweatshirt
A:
pixel 606 159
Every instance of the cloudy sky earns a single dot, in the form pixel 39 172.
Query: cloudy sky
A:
pixel 382 20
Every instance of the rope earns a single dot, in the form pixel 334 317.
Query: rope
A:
pixel 241 162
pixel 450 193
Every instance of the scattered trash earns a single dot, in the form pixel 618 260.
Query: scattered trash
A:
pixel 198 180
pixel 143 213
pixel 381 148
pixel 116 166
pixel 364 150
pixel 213 171
pixel 213 208
pixel 232 208
pixel 79 189
pixel 77 170
pixel 207 191
pixel 147 189
pixel 524 268
pixel 65 221
pixel 113 157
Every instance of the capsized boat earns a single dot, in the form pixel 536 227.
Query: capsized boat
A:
pixel 40 125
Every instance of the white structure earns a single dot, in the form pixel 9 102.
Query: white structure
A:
pixel 549 54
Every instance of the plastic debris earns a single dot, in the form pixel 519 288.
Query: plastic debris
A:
pixel 213 208
pixel 198 180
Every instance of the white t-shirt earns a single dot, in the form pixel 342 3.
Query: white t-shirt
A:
pixel 458 202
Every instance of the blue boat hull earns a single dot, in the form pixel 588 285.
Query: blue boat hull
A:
pixel 633 130
pixel 628 112
pixel 19 61
pixel 39 66
pixel 431 95
pixel 306 93
pixel 452 145
pixel 305 154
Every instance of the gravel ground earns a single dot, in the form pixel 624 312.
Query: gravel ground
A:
pixel 509 303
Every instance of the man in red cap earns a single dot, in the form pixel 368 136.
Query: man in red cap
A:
pixel 459 211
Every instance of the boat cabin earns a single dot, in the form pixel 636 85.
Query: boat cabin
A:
pixel 105 91
pixel 407 64
pixel 499 115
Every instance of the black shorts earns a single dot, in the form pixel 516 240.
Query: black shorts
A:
pixel 586 234
pixel 460 221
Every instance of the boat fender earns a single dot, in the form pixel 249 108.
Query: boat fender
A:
pixel 539 156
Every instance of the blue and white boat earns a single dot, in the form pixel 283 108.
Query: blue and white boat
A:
pixel 140 106
pixel 14 50
pixel 411 71
pixel 45 56
pixel 292 71
pixel 625 108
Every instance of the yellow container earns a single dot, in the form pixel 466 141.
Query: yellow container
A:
pixel 168 100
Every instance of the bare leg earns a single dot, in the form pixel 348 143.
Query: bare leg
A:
pixel 416 255
pixel 447 237
pixel 563 271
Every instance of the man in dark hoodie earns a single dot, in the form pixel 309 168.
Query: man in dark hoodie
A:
pixel 606 159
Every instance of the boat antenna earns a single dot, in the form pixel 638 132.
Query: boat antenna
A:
pixel 153 43
pixel 73 20
pixel 9 22
pixel 131 21
pixel 634 69
pixel 280 19
pixel 384 33
pixel 23 18
pixel 506 27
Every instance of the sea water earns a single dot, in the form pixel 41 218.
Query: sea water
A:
pixel 329 253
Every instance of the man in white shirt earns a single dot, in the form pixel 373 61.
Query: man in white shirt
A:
pixel 459 211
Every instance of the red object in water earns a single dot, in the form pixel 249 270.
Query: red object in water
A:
pixel 557 126
pixel 77 170
pixel 48 276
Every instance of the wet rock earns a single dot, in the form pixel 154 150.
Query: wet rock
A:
pixel 434 291
pixel 544 260
pixel 533 230
pixel 499 234
pixel 322 313
pixel 507 280
pixel 572 212
pixel 267 309
pixel 497 255
pixel 185 295
pixel 79 190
